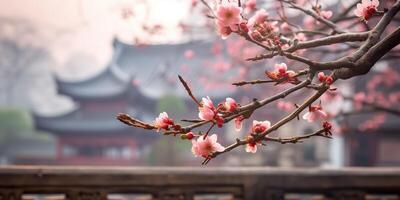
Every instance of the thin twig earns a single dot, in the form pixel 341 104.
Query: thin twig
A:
pixel 297 138
pixel 187 88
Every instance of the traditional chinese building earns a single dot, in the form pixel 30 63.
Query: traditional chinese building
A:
pixel 134 82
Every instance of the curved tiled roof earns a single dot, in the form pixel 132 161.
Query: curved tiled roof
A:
pixel 154 67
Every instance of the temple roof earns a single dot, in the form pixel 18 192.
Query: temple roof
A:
pixel 82 122
pixel 72 122
pixel 139 75
pixel 112 82
pixel 150 69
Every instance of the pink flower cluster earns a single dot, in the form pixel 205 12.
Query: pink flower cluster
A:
pixel 250 6
pixel 204 146
pixel 314 113
pixel 358 99
pixel 310 22
pixel 366 9
pixel 281 74
pixel 208 112
pixel 258 127
pixel 262 30
pixel 325 79
pixel 374 123
pixel 228 18
pixel 326 14
pixel 286 106
pixel 163 122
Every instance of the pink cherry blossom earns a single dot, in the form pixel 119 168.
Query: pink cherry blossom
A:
pixel 207 110
pixel 251 148
pixel 230 104
pixel 280 72
pixel 321 76
pixel 206 146
pixel 189 54
pixel 194 3
pixel 223 31
pixel 221 66
pixel 325 79
pixel 359 99
pixel 366 9
pixel 373 123
pixel 286 106
pixel 301 37
pixel 260 126
pixel 228 15
pixel 250 6
pixel 315 113
pixel 135 82
pixel 309 22
pixel 258 18
pixel 163 121
pixel 281 68
pixel 285 27
pixel 217 48
pixel 394 97
pixel 327 128
pixel 327 14
pixel 238 123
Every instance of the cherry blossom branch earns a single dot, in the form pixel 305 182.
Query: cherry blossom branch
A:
pixel 280 123
pixel 368 60
pixel 262 32
pixel 257 104
pixel 334 39
pixel 249 108
pixel 376 33
pixel 126 119
pixel 342 15
pixel 314 15
pixel 297 139
pixel 295 113
pixel 348 61
pixel 253 82
pixel 188 90
pixel 246 110
pixel 278 81
pixel 313 32
pixel 263 56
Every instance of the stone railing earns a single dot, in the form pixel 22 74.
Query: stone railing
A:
pixel 205 183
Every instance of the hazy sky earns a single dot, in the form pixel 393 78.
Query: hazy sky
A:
pixel 79 32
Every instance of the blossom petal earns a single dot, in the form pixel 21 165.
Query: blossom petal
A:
pixel 251 148
pixel 375 3
pixel 238 125
pixel 213 138
pixel 218 147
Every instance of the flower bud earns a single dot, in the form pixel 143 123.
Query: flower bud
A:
pixel 329 80
pixel 189 136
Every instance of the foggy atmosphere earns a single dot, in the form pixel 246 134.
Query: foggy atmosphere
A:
pixel 199 99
